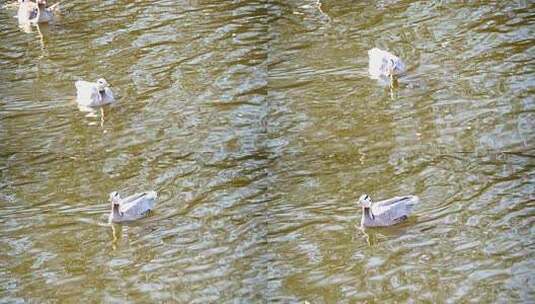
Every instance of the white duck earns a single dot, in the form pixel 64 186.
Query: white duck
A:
pixel 93 94
pixel 131 208
pixel 387 212
pixel 36 12
pixel 384 65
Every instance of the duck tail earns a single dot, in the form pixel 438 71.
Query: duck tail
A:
pixel 413 200
pixel 151 194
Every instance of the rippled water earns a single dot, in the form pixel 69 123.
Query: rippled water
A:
pixel 258 126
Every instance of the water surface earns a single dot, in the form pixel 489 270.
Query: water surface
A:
pixel 259 127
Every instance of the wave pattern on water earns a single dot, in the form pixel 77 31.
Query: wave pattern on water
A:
pixel 191 81
pixel 259 127
pixel 455 132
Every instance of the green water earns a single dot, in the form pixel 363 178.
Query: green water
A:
pixel 257 124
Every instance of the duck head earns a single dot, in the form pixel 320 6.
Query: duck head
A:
pixel 395 67
pixel 102 84
pixel 365 201
pixel 114 197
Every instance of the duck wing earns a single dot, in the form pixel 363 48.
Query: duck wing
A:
pixel 408 199
pixel 84 85
pixel 394 210
pixel 138 203
pixel 376 62
pixel 87 93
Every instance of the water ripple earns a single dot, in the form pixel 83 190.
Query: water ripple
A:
pixel 259 127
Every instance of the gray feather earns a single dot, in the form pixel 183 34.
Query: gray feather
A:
pixel 133 207
pixel 388 212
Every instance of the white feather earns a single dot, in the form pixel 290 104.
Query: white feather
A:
pixel 383 63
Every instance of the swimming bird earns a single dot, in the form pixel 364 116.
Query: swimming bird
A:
pixel 44 14
pixel 388 212
pixel 93 94
pixel 384 65
pixel 132 207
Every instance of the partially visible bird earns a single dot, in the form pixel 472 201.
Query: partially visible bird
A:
pixel 388 212
pixel 36 12
pixel 384 65
pixel 44 14
pixel 93 94
pixel 132 207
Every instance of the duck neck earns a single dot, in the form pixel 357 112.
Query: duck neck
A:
pixel 115 210
pixel 368 213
